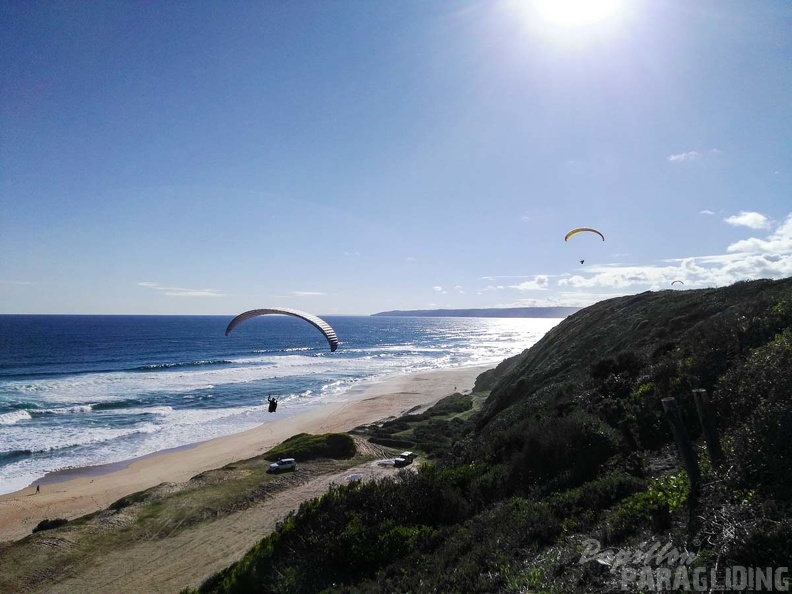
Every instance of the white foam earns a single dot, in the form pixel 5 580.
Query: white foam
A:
pixel 14 417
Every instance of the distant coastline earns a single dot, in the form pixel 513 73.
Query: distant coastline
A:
pixel 496 312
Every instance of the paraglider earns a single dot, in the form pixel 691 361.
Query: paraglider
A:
pixel 317 322
pixel 581 230
pixel 677 281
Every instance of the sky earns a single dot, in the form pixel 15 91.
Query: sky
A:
pixel 351 157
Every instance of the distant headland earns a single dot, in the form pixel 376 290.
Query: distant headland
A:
pixel 496 312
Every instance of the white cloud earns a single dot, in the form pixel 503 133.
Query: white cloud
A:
pixel 689 156
pixel 682 157
pixel 746 259
pixel 355 254
pixel 538 283
pixel 307 293
pixel 439 289
pixel 181 291
pixel 706 212
pixel 525 218
pixel 778 242
pixel 754 220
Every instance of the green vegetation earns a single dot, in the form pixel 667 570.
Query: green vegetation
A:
pixel 433 432
pixel 571 442
pixel 304 447
pixel 561 444
pixel 154 514
pixel 50 524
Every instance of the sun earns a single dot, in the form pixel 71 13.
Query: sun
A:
pixel 576 13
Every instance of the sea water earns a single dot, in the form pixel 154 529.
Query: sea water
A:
pixel 79 391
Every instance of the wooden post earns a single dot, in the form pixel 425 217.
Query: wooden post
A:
pixel 708 425
pixel 682 439
pixel 629 438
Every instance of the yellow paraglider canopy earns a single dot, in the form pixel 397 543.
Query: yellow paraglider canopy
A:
pixel 581 230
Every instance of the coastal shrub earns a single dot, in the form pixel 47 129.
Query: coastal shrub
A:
pixel 650 508
pixel 304 446
pixel 131 499
pixel 768 542
pixel 766 376
pixel 358 528
pixel 50 524
pixel 456 403
pixel 389 442
pixel 583 504
pixel 754 404
pixel 762 451
pixel 562 452
pixel 474 556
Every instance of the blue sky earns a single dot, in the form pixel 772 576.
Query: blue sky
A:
pixel 349 157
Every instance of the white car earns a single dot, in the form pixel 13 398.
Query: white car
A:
pixel 283 464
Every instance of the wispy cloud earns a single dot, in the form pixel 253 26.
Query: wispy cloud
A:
pixel 307 293
pixel 689 156
pixel 540 282
pixel 12 282
pixel 181 291
pixel 352 254
pixel 706 212
pixel 496 277
pixel 686 156
pixel 754 220
pixel 409 259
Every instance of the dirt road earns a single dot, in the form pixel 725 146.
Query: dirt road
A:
pixel 166 565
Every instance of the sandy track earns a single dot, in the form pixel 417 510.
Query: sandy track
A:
pixel 190 556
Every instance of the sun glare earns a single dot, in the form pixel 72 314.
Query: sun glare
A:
pixel 576 13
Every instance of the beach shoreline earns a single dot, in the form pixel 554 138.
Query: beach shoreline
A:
pixel 75 492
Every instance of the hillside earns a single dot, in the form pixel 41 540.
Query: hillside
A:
pixel 496 312
pixel 570 455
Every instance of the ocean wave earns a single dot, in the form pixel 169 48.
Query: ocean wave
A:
pixel 13 456
pixel 158 366
pixel 65 410
pixel 14 417
pixel 117 404
pixel 291 350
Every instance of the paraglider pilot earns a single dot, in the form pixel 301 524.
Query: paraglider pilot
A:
pixel 273 403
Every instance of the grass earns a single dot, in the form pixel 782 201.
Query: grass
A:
pixel 156 513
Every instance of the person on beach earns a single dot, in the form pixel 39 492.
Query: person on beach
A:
pixel 38 488
pixel 273 404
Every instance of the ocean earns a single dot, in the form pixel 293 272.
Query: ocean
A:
pixel 84 390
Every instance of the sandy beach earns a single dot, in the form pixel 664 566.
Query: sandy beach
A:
pixel 82 491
